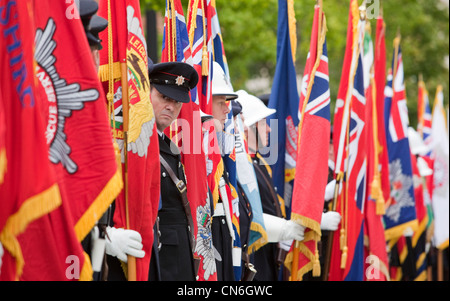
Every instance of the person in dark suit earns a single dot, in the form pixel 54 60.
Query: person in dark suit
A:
pixel 170 84
pixel 222 93
pixel 267 259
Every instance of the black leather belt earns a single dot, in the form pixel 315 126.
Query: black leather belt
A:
pixel 187 208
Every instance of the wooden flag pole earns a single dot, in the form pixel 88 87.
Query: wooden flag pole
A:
pixel 440 266
pixel 125 108
pixel 396 47
pixel 331 235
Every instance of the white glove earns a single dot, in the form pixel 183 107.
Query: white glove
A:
pixel 279 229
pixel 329 190
pixel 286 244
pixel 330 220
pixel 408 232
pixel 123 242
pixel 424 169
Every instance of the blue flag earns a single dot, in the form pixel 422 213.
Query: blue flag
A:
pixel 282 151
pixel 401 212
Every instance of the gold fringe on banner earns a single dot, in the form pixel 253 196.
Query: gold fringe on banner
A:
pixel 3 164
pixel 101 203
pixel 105 73
pixel 32 209
pixel 86 271
pixel 292 28
pixel 261 241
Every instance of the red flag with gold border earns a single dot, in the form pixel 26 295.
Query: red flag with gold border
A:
pixel 124 73
pixel 37 222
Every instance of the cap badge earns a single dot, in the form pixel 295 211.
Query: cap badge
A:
pixel 180 80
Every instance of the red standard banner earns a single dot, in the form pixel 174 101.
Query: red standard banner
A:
pixel 124 73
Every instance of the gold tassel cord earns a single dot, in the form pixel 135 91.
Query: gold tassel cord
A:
pixel 193 23
pixel 110 94
pixel 344 257
pixel 342 239
pixel 377 195
pixel 205 54
pixel 316 265
pixel 173 54
pixel 375 187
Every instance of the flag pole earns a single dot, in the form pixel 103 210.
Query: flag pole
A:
pixel 421 105
pixel 345 123
pixel 331 234
pixel 125 107
pixel 440 266
pixel 375 187
pixel 296 250
pixel 396 47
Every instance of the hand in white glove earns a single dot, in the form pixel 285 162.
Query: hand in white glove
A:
pixel 279 229
pixel 329 190
pixel 408 232
pixel 330 220
pixel 286 244
pixel 123 242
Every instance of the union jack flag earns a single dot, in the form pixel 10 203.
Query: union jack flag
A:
pixel 199 30
pixel 398 120
pixel 347 263
pixel 216 33
pixel 314 138
pixel 424 114
pixel 356 180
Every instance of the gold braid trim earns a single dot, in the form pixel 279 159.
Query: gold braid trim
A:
pixel 32 209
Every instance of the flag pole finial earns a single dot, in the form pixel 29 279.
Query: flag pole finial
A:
pixel 363 12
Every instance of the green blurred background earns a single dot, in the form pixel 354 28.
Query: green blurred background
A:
pixel 249 30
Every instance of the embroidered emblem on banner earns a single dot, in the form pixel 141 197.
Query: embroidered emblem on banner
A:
pixel 63 98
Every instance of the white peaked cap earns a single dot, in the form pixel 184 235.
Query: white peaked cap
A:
pixel 253 108
pixel 220 84
pixel 416 143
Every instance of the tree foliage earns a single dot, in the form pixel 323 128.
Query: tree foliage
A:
pixel 249 30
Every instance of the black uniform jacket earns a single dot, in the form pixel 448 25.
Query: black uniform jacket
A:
pixel 175 255
pixel 265 258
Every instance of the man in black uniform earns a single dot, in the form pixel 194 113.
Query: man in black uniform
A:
pixel 170 85
pixel 222 93
pixel 267 258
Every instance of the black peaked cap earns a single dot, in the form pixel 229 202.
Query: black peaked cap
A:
pixel 87 9
pixel 174 80
pixel 96 25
